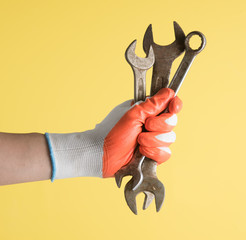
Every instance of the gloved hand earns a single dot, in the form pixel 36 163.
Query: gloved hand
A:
pixel 104 150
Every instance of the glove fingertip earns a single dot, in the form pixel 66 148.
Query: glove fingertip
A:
pixel 167 92
pixel 159 154
pixel 175 105
pixel 162 123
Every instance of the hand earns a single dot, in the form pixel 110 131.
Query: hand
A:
pixel 121 141
pixel 104 150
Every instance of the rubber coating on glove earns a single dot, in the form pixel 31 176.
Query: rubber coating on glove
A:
pixel 121 141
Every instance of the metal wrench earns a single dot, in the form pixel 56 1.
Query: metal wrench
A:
pixel 151 185
pixel 139 67
pixel 164 57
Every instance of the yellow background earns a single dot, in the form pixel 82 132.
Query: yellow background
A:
pixel 63 69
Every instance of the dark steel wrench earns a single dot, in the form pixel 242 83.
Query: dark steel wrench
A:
pixel 150 185
pixel 139 67
pixel 164 57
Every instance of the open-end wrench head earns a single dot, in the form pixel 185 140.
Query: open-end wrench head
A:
pixel 175 48
pixel 136 179
pixel 133 168
pixel 164 56
pixel 149 184
pixel 130 197
pixel 138 62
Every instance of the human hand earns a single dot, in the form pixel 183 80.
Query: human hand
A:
pixel 121 141
pixel 104 150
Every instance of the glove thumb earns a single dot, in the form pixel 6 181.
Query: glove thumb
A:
pixel 151 106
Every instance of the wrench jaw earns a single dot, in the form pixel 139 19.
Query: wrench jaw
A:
pixel 133 168
pixel 177 47
pixel 130 197
pixel 138 62
pixel 139 66
pixel 179 36
pixel 119 176
pixel 159 196
pixel 125 171
pixel 164 56
pixel 149 197
pixel 151 187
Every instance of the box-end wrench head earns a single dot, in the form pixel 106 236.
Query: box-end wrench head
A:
pixel 187 60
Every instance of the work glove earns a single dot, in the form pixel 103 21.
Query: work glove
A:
pixel 101 152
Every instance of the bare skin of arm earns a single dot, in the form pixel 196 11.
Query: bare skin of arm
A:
pixel 24 158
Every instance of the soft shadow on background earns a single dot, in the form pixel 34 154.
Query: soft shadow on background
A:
pixel 63 69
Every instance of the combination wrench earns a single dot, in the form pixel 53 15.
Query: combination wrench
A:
pixel 139 67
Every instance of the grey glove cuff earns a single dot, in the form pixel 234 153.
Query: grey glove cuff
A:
pixel 76 154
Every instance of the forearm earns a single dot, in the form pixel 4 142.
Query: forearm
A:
pixel 24 158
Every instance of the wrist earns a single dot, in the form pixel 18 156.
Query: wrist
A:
pixel 76 154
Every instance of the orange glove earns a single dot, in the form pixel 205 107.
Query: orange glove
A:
pixel 121 141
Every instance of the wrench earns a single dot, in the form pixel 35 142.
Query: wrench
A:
pixel 140 67
pixel 164 56
pixel 151 185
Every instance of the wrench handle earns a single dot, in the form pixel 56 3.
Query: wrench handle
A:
pixel 150 167
pixel 186 63
pixel 187 60
pixel 139 84
pixel 180 74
